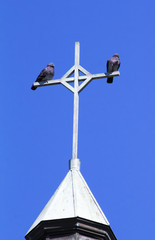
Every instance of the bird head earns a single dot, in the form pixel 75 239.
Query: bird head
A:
pixel 50 65
pixel 116 55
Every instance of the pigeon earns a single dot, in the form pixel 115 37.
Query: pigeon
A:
pixel 45 75
pixel 113 64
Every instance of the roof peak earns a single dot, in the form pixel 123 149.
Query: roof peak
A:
pixel 73 198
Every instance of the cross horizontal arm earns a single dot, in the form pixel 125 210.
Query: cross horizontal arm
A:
pixel 57 81
pixel 91 77
pixel 71 79
pixel 105 75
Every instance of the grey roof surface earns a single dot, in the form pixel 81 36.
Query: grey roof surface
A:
pixel 73 198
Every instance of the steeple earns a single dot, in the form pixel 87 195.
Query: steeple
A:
pixel 72 212
pixel 72 206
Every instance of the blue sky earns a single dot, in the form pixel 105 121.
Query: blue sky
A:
pixel 116 122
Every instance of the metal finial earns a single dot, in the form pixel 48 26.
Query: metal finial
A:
pixel 65 80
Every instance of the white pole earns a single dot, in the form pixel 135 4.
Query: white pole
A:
pixel 76 101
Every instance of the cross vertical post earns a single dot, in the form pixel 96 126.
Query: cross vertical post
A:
pixel 65 80
pixel 76 101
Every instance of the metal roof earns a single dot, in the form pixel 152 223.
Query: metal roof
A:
pixel 73 198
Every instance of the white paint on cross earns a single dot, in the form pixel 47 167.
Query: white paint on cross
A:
pixel 66 79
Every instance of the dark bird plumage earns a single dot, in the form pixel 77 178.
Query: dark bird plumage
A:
pixel 45 75
pixel 113 64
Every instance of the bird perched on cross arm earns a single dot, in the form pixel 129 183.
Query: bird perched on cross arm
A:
pixel 113 64
pixel 45 75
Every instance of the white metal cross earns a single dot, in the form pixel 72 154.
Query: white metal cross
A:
pixel 66 79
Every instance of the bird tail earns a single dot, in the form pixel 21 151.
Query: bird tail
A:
pixel 110 80
pixel 33 87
